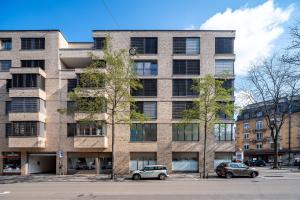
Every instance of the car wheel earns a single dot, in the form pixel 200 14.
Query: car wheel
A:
pixel 136 177
pixel 228 175
pixel 253 175
pixel 162 177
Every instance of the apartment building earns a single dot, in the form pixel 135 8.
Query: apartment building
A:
pixel 39 68
pixel 254 139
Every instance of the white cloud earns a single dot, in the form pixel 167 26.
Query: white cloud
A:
pixel 256 30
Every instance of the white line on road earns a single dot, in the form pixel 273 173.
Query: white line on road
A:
pixel 5 192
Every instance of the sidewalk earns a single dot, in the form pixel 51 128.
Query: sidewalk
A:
pixel 265 173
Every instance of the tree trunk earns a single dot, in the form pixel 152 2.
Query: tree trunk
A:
pixel 113 146
pixel 204 152
pixel 275 164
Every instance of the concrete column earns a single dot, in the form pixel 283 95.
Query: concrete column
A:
pixel 63 162
pixel 97 163
pixel 24 163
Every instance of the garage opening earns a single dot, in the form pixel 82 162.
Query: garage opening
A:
pixel 139 160
pixel 42 163
pixel 185 162
pixel 222 157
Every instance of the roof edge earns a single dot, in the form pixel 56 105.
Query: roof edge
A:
pixel 179 30
pixel 27 30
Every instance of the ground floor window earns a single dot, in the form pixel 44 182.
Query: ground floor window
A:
pixel 185 162
pixel 89 163
pixel 139 160
pixel 82 164
pixel 11 163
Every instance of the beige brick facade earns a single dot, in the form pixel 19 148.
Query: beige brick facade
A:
pixel 62 61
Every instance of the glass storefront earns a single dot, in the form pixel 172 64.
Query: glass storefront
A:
pixel 89 163
pixel 11 163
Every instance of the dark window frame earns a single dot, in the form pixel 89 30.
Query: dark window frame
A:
pixel 218 136
pixel 144 45
pixel 99 43
pixel 183 87
pixel 224 45
pixel 33 43
pixel 177 128
pixel 180 44
pixel 179 106
pixel 33 64
pixel 186 67
pixel 149 88
pixel 134 135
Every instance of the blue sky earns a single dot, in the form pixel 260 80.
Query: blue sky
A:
pixel 261 25
pixel 76 18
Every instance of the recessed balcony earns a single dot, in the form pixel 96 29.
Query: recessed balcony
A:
pixel 99 142
pixel 26 142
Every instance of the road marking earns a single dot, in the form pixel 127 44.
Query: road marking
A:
pixel 5 192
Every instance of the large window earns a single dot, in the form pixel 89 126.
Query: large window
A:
pixel 186 45
pixel 145 68
pixel 91 129
pixel 224 45
pixel 26 128
pixel 5 65
pixel 259 125
pixel 224 132
pixel 259 136
pixel 186 67
pixel 149 88
pixel 183 87
pixel 99 42
pixel 32 43
pixel 148 108
pixel 224 67
pixel 185 132
pixel 246 146
pixel 143 132
pixel 144 45
pixel 33 63
pixel 5 44
pixel 178 107
pixel 27 104
pixel 28 80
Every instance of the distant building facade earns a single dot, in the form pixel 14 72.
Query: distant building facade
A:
pixel 253 135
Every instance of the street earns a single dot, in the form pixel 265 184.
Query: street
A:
pixel 236 188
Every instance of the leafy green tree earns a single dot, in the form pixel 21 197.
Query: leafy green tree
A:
pixel 104 87
pixel 212 99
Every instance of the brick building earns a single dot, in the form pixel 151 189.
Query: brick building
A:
pixel 39 68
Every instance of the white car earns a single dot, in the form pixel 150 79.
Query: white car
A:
pixel 151 171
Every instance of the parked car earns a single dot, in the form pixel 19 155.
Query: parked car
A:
pixel 232 169
pixel 257 163
pixel 151 171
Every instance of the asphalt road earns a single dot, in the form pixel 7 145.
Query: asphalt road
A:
pixel 237 188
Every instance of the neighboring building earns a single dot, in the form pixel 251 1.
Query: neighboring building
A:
pixel 39 68
pixel 253 135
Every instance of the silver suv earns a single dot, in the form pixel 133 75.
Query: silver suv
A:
pixel 151 171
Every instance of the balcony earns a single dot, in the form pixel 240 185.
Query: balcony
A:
pixel 79 116
pixel 100 142
pixel 35 116
pixel 27 70
pixel 27 92
pixel 26 142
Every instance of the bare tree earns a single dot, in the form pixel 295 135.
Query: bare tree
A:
pixel 274 85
